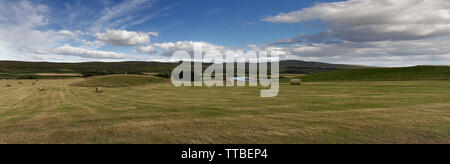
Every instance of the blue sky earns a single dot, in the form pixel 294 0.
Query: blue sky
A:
pixel 233 23
pixel 369 32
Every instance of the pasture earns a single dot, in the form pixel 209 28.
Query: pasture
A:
pixel 155 112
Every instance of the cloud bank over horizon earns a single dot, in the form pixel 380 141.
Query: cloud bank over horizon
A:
pixel 405 32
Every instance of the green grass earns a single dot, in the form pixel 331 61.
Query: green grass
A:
pixel 316 112
pixel 379 74
pixel 17 67
pixel 119 81
pixel 46 67
pixel 32 76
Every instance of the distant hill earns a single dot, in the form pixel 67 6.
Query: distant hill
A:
pixel 291 66
pixel 303 67
pixel 44 67
pixel 317 71
pixel 374 74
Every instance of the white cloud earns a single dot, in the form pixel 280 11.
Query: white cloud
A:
pixel 377 20
pixel 23 13
pixel 155 34
pixel 27 35
pixel 210 52
pixel 92 43
pixel 164 51
pixel 168 49
pixel 19 24
pixel 373 32
pixel 121 14
pixel 124 38
pixel 381 53
pixel 67 33
pixel 86 53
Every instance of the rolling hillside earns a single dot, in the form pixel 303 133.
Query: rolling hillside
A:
pixel 303 67
pixel 378 74
pixel 39 67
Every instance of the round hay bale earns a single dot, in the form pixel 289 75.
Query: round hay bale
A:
pixel 41 88
pixel 296 82
pixel 99 89
pixel 8 85
pixel 33 83
pixel 20 83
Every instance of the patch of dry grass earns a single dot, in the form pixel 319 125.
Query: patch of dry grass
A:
pixel 327 112
pixel 120 81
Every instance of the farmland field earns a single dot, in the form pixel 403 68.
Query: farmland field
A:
pixel 316 112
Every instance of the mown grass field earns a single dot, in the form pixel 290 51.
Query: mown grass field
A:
pixel 316 112
pixel 119 81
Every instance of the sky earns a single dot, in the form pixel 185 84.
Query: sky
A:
pixel 363 32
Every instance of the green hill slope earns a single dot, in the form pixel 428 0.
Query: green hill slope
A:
pixel 373 74
pixel 15 67
pixel 121 67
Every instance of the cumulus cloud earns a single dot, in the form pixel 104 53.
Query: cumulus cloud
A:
pixel 67 33
pixel 167 49
pixel 377 20
pixel 86 53
pixel 210 52
pixel 124 38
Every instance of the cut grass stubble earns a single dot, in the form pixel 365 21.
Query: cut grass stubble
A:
pixel 319 112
